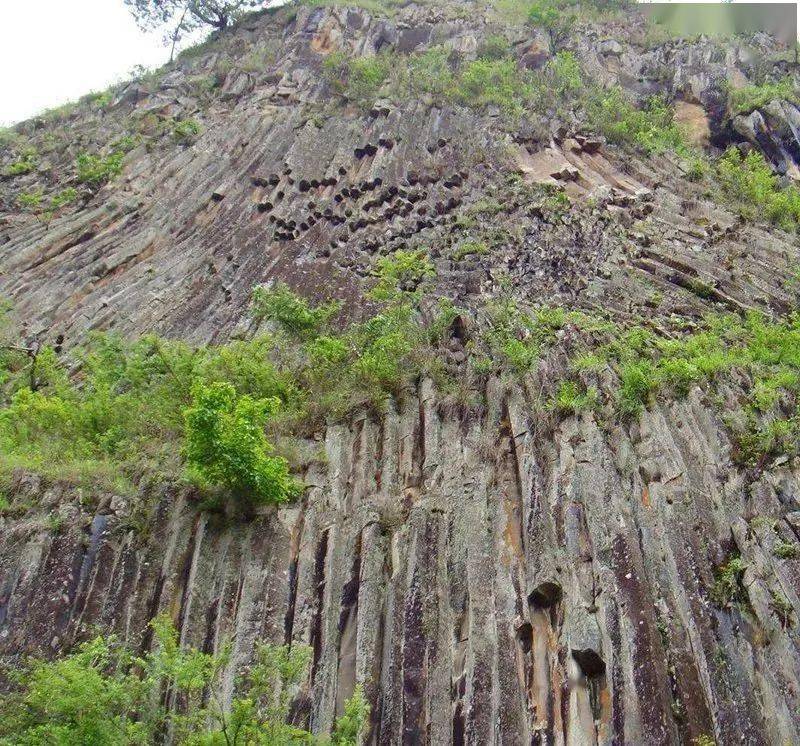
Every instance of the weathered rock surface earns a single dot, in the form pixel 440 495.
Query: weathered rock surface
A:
pixel 488 580
pixel 490 575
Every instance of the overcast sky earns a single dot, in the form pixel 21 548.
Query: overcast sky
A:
pixel 54 51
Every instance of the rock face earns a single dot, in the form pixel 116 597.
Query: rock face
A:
pixel 490 574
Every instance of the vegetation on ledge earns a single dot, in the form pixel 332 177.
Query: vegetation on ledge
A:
pixel 104 694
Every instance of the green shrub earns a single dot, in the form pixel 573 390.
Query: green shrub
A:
pixel 352 722
pixel 367 75
pixel 638 382
pixel 572 398
pixel 104 694
pixel 494 47
pixel 652 128
pixel 291 311
pixel 226 445
pixel 186 131
pixel 782 608
pixel 96 170
pixel 430 72
pixel 34 202
pixel 25 163
pixel 545 14
pixel 746 99
pixel 749 181
pixel 563 74
pixel 728 588
pixel 516 337
pixel 487 82
pixel 469 248
pixel 356 78
pixel 385 346
pixel 786 550
pixel 401 274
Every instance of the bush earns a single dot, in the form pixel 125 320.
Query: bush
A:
pixel 571 398
pixel 186 131
pixel 728 588
pixel 563 74
pixel 46 211
pixel 516 338
pixel 555 16
pixel 750 183
pixel 96 170
pixel 401 274
pixel 226 445
pixel 291 311
pixel 25 163
pixel 430 72
pixel 104 694
pixel 469 248
pixel 494 47
pixel 637 383
pixel 359 78
pixel 786 550
pixel 493 83
pixel 744 100
pixel 652 129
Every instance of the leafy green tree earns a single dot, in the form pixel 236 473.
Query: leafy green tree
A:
pixel 291 311
pixel 351 724
pixel 177 18
pixel 226 444
pixel 104 695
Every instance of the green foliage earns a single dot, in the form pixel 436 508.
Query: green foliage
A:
pixel 25 163
pixel 137 406
pixel 652 129
pixel 782 608
pixel 697 169
pixel 786 550
pixel 103 694
pixel 469 248
pixel 544 13
pixel 351 724
pixel 186 131
pixel 765 353
pixel 728 588
pixel 376 7
pixel 494 47
pixel 357 78
pixel 292 312
pixel 746 99
pixel 572 398
pixel 46 210
pixel 95 170
pixel 637 383
pixel 487 82
pixel 563 75
pixel 749 181
pixel 401 274
pixel 226 445
pixel 430 72
pixel 516 337
pixel 555 16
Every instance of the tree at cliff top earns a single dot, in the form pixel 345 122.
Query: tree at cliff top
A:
pixel 177 18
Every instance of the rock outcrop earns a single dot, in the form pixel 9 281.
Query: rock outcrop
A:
pixel 490 573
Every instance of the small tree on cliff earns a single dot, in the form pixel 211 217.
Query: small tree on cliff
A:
pixel 180 17
pixel 226 445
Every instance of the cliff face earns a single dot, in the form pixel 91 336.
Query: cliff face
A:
pixel 492 574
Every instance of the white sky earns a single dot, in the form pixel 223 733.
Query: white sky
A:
pixel 54 51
